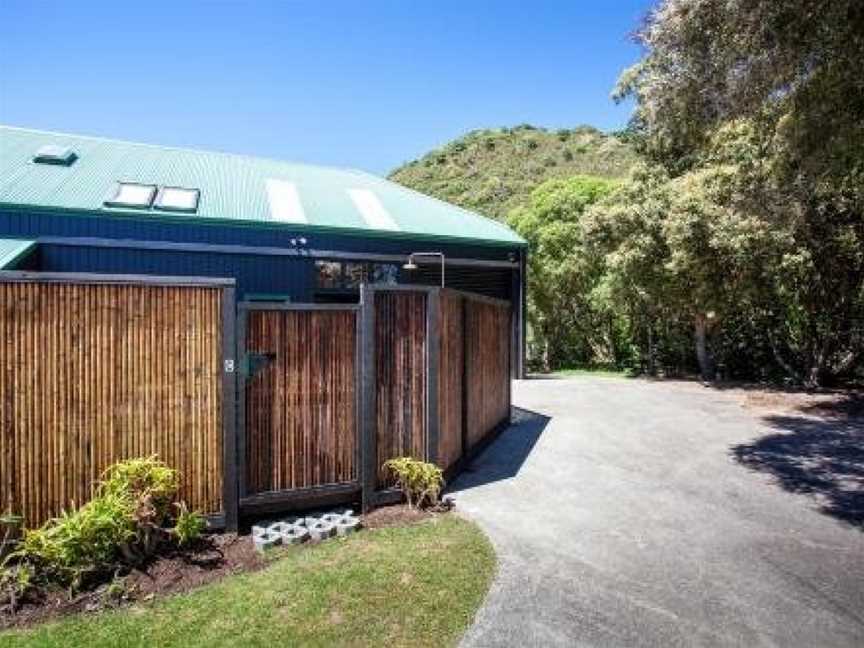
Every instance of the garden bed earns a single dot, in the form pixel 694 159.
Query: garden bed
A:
pixel 210 559
pixel 332 593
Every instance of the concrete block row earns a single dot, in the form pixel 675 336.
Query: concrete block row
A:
pixel 294 530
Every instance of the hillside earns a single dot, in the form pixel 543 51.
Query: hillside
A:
pixel 491 171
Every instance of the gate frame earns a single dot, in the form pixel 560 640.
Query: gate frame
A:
pixel 324 495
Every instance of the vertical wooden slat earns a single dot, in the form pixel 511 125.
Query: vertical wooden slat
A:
pixel 301 407
pixel 94 373
pixel 401 375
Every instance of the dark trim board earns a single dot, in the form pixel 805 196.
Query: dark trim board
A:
pixel 215 521
pixel 387 496
pixel 116 279
pixel 433 365
pixel 368 411
pixel 229 410
pixel 300 499
pixel 215 248
pixel 294 306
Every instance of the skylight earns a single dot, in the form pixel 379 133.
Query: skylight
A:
pixel 371 209
pixel 132 194
pixel 177 199
pixel 55 154
pixel 285 205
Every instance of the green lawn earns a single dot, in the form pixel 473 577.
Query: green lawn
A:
pixel 416 585
pixel 589 371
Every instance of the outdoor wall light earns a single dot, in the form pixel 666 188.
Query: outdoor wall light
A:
pixel 411 265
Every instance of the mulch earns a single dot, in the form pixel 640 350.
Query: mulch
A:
pixel 210 559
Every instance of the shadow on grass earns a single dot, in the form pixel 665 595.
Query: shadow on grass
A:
pixel 505 456
pixel 818 457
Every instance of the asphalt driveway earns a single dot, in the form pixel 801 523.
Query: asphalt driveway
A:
pixel 629 513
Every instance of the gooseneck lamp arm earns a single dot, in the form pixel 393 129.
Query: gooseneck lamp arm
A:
pixel 411 265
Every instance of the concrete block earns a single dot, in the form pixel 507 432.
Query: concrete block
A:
pixel 321 530
pixel 293 535
pixel 278 527
pixel 348 524
pixel 332 518
pixel 266 541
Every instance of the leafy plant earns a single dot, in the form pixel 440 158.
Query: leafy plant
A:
pixel 145 479
pixel 421 482
pixel 120 525
pixel 189 525
pixel 16 582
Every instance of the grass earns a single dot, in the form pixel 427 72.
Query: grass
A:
pixel 597 372
pixel 416 585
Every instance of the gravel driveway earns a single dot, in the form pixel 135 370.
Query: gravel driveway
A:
pixel 631 513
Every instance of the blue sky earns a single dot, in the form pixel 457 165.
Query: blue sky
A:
pixel 362 84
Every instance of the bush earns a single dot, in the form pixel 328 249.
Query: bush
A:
pixel 189 525
pixel 121 525
pixel 420 481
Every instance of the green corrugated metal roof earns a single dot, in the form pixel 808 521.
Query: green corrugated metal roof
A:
pixel 11 250
pixel 233 188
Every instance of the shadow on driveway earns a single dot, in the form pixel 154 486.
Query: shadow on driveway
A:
pixel 821 458
pixel 504 457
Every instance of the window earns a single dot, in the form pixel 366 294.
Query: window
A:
pixel 348 275
pixel 385 273
pixel 355 274
pixel 132 194
pixel 55 154
pixel 177 199
pixel 328 274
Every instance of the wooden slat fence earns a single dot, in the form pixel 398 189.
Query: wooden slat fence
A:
pixel 94 373
pixel 469 365
pixel 487 368
pixel 95 370
pixel 402 374
pixel 451 379
pixel 301 408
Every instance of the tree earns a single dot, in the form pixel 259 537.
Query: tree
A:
pixel 756 111
pixel 567 327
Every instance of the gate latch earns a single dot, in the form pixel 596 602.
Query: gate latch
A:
pixel 255 362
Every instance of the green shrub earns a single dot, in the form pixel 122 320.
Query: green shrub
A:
pixel 120 525
pixel 149 481
pixel 189 525
pixel 16 582
pixel 421 482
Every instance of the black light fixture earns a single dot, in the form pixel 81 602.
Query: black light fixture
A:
pixel 412 265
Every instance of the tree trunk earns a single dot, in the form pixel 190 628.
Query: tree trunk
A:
pixel 706 362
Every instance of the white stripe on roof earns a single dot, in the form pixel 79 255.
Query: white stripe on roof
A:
pixel 372 210
pixel 285 205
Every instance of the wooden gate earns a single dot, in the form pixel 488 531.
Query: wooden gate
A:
pixel 299 428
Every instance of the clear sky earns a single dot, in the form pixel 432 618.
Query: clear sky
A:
pixel 355 83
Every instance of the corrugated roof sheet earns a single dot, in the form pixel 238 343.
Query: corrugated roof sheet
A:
pixel 11 250
pixel 233 188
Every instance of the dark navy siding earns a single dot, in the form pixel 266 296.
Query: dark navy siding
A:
pixel 254 274
pixel 33 224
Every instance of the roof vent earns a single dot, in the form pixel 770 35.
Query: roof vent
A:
pixel 55 154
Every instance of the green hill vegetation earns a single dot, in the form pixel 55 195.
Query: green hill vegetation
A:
pixel 491 171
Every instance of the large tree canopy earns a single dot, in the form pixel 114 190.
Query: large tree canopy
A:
pixel 756 110
pixel 792 67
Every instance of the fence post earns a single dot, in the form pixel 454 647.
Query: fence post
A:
pixel 230 491
pixel 368 405
pixel 433 367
